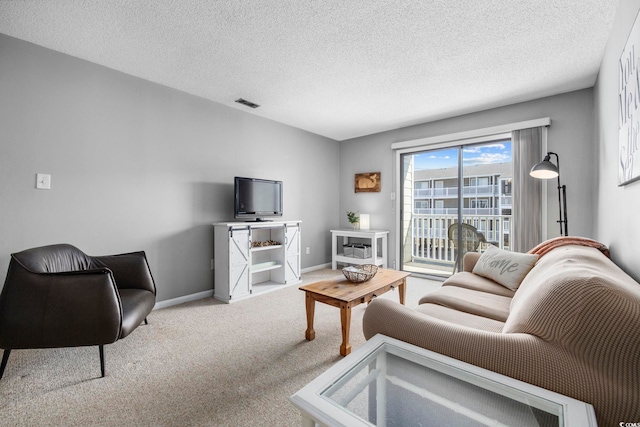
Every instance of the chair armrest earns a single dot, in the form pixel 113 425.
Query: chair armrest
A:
pixel 469 261
pixel 43 310
pixel 130 270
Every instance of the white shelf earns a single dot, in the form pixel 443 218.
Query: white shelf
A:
pixel 265 266
pixel 340 258
pixel 265 248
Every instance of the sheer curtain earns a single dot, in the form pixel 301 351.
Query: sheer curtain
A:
pixel 526 230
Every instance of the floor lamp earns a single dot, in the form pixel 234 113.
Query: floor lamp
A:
pixel 547 170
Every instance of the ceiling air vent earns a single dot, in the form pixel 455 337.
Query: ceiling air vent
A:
pixel 247 103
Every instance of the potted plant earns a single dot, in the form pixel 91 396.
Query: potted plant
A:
pixel 354 219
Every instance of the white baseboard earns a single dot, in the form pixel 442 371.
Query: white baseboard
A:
pixel 316 267
pixel 207 294
pixel 180 300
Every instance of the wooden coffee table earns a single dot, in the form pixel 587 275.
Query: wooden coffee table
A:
pixel 341 293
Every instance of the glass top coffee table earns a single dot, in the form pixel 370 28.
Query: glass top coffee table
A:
pixel 387 382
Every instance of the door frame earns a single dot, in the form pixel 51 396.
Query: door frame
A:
pixel 445 141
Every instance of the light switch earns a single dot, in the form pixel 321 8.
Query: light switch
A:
pixel 43 181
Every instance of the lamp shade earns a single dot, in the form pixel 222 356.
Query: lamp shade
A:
pixel 364 221
pixel 544 170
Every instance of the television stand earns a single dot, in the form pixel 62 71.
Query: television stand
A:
pixel 255 257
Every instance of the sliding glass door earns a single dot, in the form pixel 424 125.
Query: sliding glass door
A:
pixel 454 200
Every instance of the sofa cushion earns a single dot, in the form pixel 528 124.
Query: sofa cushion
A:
pixel 580 300
pixel 461 318
pixel 504 267
pixel 484 304
pixel 478 283
pixel 575 294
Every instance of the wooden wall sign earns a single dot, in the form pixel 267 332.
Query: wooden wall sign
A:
pixel 367 182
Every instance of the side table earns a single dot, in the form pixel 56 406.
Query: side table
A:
pixel 378 239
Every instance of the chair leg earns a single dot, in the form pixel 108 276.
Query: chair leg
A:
pixel 146 322
pixel 5 359
pixel 101 349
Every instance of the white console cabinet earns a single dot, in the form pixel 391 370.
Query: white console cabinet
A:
pixel 255 257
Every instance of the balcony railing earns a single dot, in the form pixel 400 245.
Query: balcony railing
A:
pixel 469 191
pixel 429 240
pixel 454 211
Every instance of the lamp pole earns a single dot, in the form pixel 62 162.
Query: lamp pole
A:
pixel 562 201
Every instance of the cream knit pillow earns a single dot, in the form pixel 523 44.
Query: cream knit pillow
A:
pixel 504 267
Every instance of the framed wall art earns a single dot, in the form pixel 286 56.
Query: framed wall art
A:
pixel 629 108
pixel 367 182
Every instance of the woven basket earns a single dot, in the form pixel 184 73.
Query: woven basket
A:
pixel 361 273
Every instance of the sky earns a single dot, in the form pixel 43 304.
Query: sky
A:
pixel 494 152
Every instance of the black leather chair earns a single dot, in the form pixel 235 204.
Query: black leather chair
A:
pixel 57 296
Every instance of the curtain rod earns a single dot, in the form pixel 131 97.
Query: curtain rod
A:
pixel 476 133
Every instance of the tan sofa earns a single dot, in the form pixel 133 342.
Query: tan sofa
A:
pixel 572 326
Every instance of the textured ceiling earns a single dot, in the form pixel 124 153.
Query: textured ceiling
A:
pixel 338 68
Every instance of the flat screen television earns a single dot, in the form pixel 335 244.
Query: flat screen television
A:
pixel 257 199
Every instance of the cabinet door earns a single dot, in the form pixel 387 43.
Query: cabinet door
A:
pixel 292 254
pixel 239 262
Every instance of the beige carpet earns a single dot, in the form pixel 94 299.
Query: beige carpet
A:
pixel 202 363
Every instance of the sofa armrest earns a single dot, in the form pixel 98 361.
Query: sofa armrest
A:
pixel 522 356
pixel 499 352
pixel 469 261
pixel 45 310
pixel 130 270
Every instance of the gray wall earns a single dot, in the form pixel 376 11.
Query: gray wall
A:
pixel 617 221
pixel 570 135
pixel 138 166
